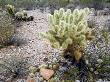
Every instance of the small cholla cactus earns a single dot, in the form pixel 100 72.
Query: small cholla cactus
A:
pixel 32 69
pixel 31 77
pixel 24 12
pixel 22 15
pixel 10 9
pixel 69 30
pixel 19 15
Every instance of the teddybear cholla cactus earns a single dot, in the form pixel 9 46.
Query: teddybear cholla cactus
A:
pixel 20 15
pixel 10 9
pixel 69 30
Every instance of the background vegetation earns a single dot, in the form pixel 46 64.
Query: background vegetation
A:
pixel 6 28
pixel 27 4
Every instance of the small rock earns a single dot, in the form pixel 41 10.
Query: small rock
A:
pixel 46 73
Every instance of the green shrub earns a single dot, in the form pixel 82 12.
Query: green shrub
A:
pixel 69 30
pixel 61 3
pixel 6 28
pixel 97 4
pixel 27 4
pixel 53 3
pixel 5 2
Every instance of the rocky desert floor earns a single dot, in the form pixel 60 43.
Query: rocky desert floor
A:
pixel 31 44
pixel 27 36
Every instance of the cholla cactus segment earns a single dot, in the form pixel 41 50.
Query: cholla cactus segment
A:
pixel 67 27
pixel 24 12
pixel 22 16
pixel 32 69
pixel 19 15
pixel 10 9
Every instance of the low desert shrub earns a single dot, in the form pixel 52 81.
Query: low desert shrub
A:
pixel 6 28
pixel 97 4
pixel 53 4
pixel 60 3
pixel 25 4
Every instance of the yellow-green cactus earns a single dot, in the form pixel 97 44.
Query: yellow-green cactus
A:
pixel 32 69
pixel 69 30
pixel 18 15
pixel 22 15
pixel 10 9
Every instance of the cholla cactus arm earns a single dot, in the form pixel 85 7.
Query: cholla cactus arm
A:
pixel 24 13
pixel 21 15
pixel 18 15
pixel 10 9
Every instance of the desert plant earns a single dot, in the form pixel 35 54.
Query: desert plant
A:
pixel 26 4
pixel 10 9
pixel 32 71
pixel 13 67
pixel 70 31
pixel 61 3
pixel 5 2
pixel 97 4
pixel 54 2
pixel 6 28
pixel 20 15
